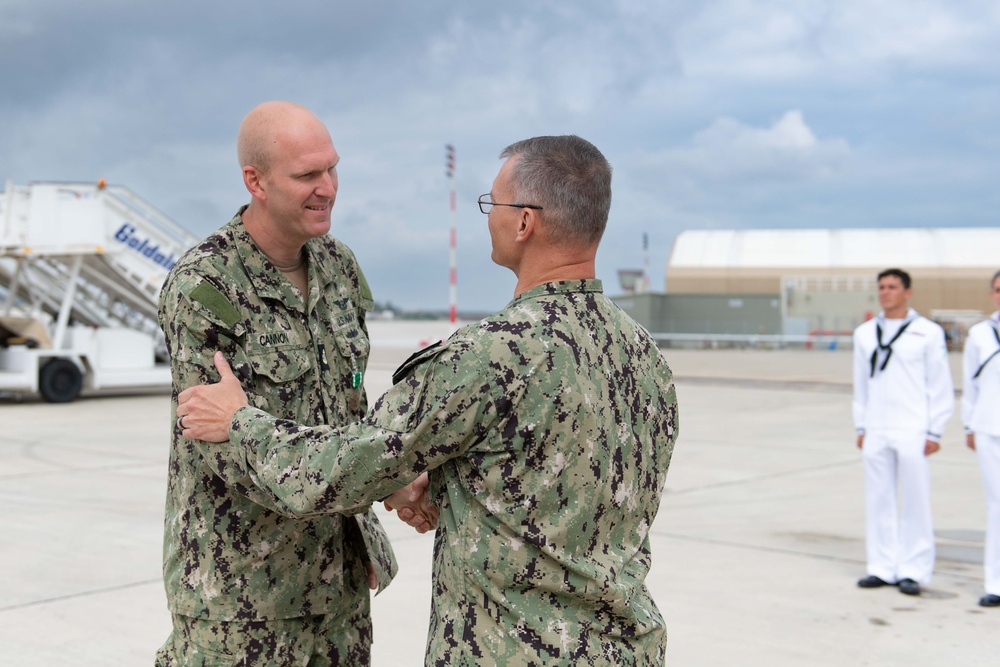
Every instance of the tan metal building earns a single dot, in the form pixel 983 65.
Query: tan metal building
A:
pixel 950 267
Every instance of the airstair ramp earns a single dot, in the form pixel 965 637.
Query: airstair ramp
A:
pixel 85 263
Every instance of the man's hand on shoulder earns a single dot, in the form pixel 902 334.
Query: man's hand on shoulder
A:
pixel 205 411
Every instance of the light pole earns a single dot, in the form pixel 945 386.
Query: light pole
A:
pixel 453 290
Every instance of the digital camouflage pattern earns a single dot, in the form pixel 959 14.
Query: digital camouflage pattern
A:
pixel 231 550
pixel 326 640
pixel 548 429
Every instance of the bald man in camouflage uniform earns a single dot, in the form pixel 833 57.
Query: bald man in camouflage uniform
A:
pixel 247 580
pixel 548 429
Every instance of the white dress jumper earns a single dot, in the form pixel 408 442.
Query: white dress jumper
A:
pixel 981 416
pixel 903 396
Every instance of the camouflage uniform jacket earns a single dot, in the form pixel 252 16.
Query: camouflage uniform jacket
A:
pixel 231 551
pixel 548 428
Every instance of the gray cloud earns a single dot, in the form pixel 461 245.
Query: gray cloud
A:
pixel 714 114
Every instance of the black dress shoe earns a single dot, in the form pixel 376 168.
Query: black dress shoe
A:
pixel 871 581
pixel 989 600
pixel 909 587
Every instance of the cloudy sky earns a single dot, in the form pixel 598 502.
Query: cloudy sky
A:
pixel 715 114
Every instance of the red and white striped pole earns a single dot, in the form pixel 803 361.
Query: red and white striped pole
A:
pixel 453 290
pixel 645 262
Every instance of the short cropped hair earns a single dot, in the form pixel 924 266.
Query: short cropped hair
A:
pixel 252 146
pixel 994 279
pixel 570 179
pixel 256 137
pixel 903 276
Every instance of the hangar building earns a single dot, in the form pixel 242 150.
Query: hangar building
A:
pixel 795 281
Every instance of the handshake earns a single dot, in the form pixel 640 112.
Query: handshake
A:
pixel 413 506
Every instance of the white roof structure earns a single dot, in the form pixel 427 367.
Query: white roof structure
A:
pixel 837 249
pixel 950 265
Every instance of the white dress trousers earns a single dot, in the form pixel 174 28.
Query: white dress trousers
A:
pixel 903 395
pixel 981 416
pixel 988 452
pixel 899 539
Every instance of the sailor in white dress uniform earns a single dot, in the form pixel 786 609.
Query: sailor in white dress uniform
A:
pixel 903 396
pixel 981 417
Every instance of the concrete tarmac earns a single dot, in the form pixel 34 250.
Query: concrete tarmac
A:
pixel 756 548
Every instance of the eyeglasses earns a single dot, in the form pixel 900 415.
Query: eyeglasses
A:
pixel 486 203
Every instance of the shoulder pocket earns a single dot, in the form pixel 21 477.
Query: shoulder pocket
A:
pixel 402 407
pixel 216 302
pixel 415 359
pixel 367 302
pixel 214 305
pixel 200 318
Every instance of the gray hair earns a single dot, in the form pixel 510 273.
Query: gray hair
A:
pixel 570 179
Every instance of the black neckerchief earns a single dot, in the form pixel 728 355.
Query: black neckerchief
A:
pixel 995 352
pixel 887 347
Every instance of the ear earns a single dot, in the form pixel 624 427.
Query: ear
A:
pixel 252 179
pixel 527 224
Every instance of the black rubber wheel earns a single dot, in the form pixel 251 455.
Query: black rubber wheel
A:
pixel 60 381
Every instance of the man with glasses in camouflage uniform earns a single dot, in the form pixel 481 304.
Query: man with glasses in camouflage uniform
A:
pixel 547 430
